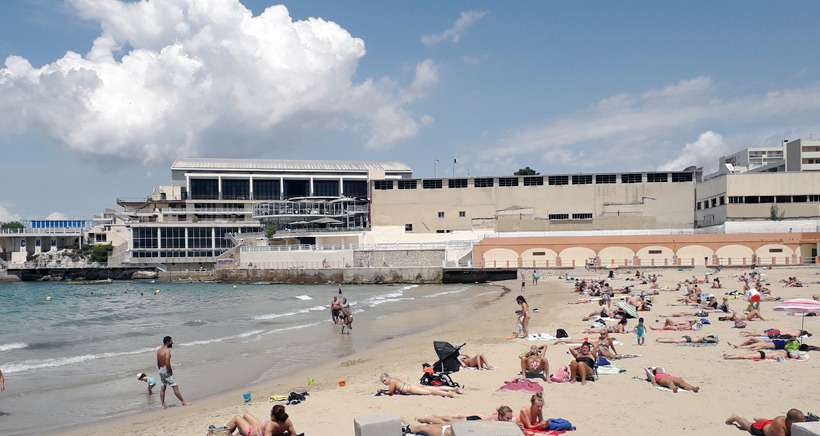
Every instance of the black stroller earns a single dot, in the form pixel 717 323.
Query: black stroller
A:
pixel 438 374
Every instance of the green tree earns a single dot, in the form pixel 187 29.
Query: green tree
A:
pixel 12 225
pixel 526 171
pixel 270 230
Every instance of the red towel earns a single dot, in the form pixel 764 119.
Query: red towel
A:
pixel 522 385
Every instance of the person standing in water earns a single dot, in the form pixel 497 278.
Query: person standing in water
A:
pixel 336 307
pixel 166 373
pixel 2 381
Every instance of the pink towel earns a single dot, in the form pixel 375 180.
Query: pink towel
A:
pixel 522 385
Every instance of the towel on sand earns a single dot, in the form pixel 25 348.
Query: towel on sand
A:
pixel 540 337
pixel 522 385
pixel 609 369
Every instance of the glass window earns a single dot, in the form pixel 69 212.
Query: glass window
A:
pixel 735 200
pixel 297 188
pixel 462 213
pixel 714 202
pixel 766 199
pixel 751 199
pixel 235 189
pixel 605 178
pixel 699 206
pixel 484 182
pixel 325 188
pixel 800 198
pixel 631 178
pixel 172 237
pixel 383 185
pixel 721 200
pixel 584 179
pixel 582 216
pixel 681 177
pixel 407 184
pixel 199 238
pixel 431 184
pixel 441 214
pixel 266 189
pixel 508 181
pixel 457 183
pixel 559 180
pixel 204 189
pixel 558 216
pixel 657 177
pixel 144 237
pixel 533 181
pixel 408 227
pixel 783 199
pixel 358 188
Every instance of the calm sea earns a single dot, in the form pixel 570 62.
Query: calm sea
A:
pixel 74 359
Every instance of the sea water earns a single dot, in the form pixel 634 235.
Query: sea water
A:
pixel 71 352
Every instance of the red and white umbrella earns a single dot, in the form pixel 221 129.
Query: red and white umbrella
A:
pixel 800 305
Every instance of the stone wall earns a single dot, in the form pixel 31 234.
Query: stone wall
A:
pixel 398 258
pixel 335 275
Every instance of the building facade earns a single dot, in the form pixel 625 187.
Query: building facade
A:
pixel 803 155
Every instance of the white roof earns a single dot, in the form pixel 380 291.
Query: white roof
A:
pixel 287 165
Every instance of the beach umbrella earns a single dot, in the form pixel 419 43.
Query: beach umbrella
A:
pixel 629 309
pixel 800 305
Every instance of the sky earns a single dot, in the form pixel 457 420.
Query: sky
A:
pixel 98 97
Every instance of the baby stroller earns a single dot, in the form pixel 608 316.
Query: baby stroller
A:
pixel 438 374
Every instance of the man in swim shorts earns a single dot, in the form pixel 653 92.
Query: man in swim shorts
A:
pixel 780 426
pixel 166 373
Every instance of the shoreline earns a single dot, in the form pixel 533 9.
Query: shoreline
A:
pixel 296 380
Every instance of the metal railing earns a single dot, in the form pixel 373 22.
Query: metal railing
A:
pixel 295 247
pixel 44 231
pixel 638 262
pixel 364 247
pixel 186 211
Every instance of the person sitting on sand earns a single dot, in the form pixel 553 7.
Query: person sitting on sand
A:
pixel 708 339
pixel 398 387
pixel 757 344
pixel 676 325
pixel 606 346
pixel 617 328
pixel 278 425
pixel 603 312
pixel 532 417
pixel 478 361
pixel 659 377
pixel 752 315
pixel 582 364
pixel 778 333
pixel 716 283
pixel 763 355
pixel 503 414
pixel 534 363
pixel 779 426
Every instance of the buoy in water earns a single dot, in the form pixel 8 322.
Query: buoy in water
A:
pixel 48 297
pixel 156 292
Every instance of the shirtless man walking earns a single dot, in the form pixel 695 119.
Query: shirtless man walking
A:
pixel 166 373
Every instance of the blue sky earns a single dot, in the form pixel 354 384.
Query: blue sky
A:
pixel 561 87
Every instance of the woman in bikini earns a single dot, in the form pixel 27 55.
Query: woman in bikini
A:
pixel 523 315
pixel 708 339
pixel 580 368
pixel 676 325
pixel 278 425
pixel 753 315
pixel 618 328
pixel 478 362
pixel 503 414
pixel 659 376
pixel 532 417
pixel 398 387
pixel 534 363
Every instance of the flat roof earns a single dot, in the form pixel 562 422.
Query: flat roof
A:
pixel 287 165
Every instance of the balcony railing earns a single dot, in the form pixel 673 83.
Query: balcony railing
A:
pixel 43 231
pixel 207 210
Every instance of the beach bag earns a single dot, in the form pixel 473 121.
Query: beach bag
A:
pixel 560 424
pixel 602 361
pixel 710 339
pixel 740 324
pixel 792 345
pixel 561 333
pixel 560 376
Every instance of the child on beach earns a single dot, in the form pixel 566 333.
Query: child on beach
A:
pixel 143 377
pixel 640 332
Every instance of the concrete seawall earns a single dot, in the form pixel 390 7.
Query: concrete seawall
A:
pixel 335 275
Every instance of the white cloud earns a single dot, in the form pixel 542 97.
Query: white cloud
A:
pixel 177 77
pixel 425 78
pixel 6 215
pixel 56 216
pixel 466 20
pixel 474 60
pixel 703 153
pixel 631 130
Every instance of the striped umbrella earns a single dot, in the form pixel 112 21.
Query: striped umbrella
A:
pixel 800 305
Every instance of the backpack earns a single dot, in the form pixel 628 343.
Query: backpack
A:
pixel 437 379
pixel 561 333
pixel 560 424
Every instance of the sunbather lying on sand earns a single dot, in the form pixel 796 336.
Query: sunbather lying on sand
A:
pixel 762 355
pixel 478 361
pixel 603 312
pixel 534 363
pixel 659 376
pixel 580 368
pixel 532 417
pixel 756 344
pixel 780 426
pixel 618 328
pixel 428 429
pixel 777 333
pixel 700 313
pixel 753 315
pixel 676 325
pixel 708 339
pixel 278 425
pixel 503 413
pixel 398 387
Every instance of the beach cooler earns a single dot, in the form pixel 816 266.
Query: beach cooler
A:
pixel 806 429
pixel 377 425
pixel 486 428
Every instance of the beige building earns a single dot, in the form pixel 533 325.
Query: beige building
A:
pixel 803 155
pixel 662 200
pixel 758 196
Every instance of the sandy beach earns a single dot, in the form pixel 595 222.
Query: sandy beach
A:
pixel 614 405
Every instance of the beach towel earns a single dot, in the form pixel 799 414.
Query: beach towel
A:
pixel 543 432
pixel 521 385
pixel 609 369
pixel 660 388
pixel 697 345
pixel 540 337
